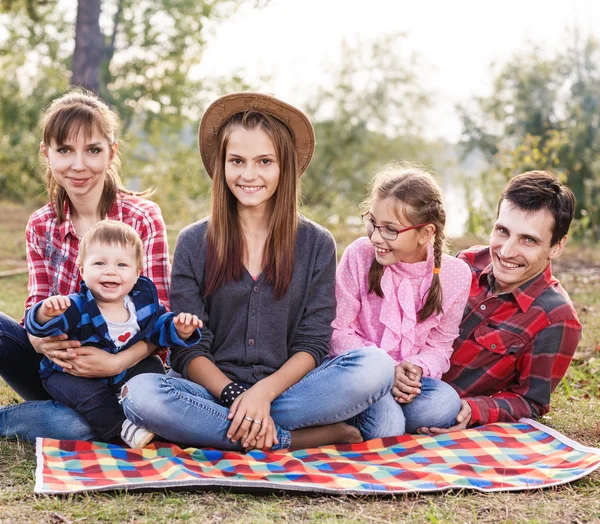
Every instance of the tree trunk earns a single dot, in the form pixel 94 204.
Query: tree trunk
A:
pixel 89 45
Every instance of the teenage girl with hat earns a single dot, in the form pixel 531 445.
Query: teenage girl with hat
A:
pixel 261 277
pixel 397 291
pixel 80 148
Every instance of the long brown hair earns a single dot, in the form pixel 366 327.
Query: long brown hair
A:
pixel 83 112
pixel 226 243
pixel 420 198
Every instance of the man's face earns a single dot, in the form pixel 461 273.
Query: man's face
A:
pixel 520 246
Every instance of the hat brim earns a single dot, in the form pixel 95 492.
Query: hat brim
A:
pixel 225 107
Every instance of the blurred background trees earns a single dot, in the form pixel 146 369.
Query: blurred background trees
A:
pixel 142 57
pixel 544 113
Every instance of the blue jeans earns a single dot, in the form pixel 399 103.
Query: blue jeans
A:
pixel 96 401
pixel 339 389
pixel 40 417
pixel 436 406
pixel 19 362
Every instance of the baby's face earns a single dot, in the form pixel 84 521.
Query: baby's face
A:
pixel 110 271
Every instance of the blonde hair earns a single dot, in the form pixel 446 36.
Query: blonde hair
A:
pixel 418 193
pixel 70 115
pixel 112 232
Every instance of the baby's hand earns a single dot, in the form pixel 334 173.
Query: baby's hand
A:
pixel 185 324
pixel 54 306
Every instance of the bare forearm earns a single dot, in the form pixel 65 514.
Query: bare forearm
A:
pixel 287 375
pixel 203 371
pixel 135 354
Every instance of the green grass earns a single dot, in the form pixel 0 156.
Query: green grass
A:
pixel 575 413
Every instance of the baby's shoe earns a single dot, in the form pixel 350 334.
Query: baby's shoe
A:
pixel 135 436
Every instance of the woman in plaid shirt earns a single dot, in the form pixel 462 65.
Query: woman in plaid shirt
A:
pixel 80 146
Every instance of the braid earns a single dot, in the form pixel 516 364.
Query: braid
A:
pixel 433 304
pixel 375 274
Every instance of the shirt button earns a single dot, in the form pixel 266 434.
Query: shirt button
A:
pixel 256 289
pixel 483 307
pixel 493 346
pixel 251 342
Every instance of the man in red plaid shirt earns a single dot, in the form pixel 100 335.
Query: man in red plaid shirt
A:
pixel 519 330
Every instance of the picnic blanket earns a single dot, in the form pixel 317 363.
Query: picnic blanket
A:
pixel 496 457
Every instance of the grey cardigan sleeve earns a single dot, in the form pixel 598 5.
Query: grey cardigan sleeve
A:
pixel 314 330
pixel 187 282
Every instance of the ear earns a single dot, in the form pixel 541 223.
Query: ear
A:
pixel 113 150
pixel 80 270
pixel 557 249
pixel 44 149
pixel 426 234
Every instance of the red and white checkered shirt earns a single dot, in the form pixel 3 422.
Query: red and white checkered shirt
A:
pixel 52 248
pixel 513 348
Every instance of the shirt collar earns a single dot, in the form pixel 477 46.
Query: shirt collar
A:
pixel 526 294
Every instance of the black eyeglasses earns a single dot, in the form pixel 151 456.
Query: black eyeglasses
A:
pixel 387 233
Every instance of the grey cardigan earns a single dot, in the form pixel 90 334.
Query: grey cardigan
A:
pixel 247 333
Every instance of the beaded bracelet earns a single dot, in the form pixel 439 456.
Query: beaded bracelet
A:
pixel 230 392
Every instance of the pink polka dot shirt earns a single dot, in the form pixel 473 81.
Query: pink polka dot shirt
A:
pixel 390 323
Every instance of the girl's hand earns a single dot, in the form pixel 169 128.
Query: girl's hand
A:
pixel 54 306
pixel 93 362
pixel 186 324
pixel 407 383
pixel 266 442
pixel 58 349
pixel 249 416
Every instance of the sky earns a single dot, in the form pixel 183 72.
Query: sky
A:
pixel 294 42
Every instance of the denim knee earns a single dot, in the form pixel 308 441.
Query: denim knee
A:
pixel 436 406
pixel 141 397
pixel 374 371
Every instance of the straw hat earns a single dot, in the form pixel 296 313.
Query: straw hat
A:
pixel 223 108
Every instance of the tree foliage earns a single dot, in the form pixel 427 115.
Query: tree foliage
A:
pixel 369 116
pixel 149 50
pixel 544 113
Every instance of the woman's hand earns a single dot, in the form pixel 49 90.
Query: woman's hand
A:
pixel 92 362
pixel 267 441
pixel 250 416
pixel 58 349
pixel 407 383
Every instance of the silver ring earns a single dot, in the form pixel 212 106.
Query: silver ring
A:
pixel 249 419
pixel 257 421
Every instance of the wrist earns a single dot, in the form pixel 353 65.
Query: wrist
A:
pixel 265 389
pixel 230 392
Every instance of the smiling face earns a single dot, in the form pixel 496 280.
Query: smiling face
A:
pixel 110 271
pixel 251 168
pixel 410 246
pixel 79 164
pixel 520 246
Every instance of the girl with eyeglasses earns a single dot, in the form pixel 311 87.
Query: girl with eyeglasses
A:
pixel 397 291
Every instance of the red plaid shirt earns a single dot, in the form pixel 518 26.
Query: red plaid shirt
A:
pixel 514 348
pixel 52 248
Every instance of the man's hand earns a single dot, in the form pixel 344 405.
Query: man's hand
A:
pixel 407 382
pixel 186 324
pixel 462 421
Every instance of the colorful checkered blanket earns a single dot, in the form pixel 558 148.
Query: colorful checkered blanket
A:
pixel 496 457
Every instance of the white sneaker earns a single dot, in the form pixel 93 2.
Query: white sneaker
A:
pixel 135 436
